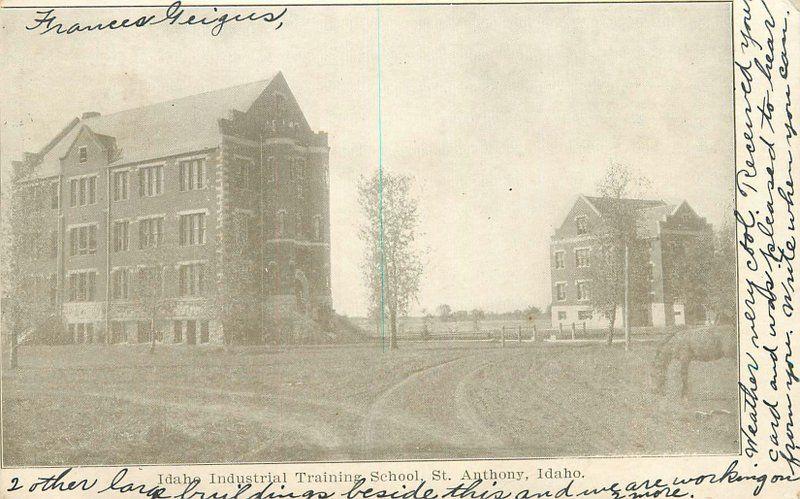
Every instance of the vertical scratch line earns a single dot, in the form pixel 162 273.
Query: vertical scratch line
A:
pixel 380 188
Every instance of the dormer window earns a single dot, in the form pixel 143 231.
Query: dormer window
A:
pixel 581 225
pixel 83 154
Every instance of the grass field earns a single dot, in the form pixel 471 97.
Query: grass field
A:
pixel 92 404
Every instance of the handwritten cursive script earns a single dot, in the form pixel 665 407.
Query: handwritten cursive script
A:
pixel 46 21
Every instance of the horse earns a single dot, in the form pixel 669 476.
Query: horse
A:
pixel 703 344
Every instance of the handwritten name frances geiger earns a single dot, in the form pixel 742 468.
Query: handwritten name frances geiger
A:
pixel 48 22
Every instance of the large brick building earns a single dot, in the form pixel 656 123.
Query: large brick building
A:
pixel 208 191
pixel 664 233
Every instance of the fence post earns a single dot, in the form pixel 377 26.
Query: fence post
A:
pixel 519 334
pixel 503 337
pixel 534 332
pixel 584 328
pixel 573 330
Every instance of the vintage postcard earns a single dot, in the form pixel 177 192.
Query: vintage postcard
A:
pixel 386 250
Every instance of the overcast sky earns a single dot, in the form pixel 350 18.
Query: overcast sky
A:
pixel 503 115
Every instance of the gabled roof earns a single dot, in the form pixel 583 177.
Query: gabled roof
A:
pixel 647 224
pixel 604 206
pixel 158 130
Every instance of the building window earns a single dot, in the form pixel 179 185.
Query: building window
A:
pixel 177 331
pixel 584 315
pixel 581 225
pixel 280 228
pixel 121 284
pixel 650 271
pixel 559 259
pixel 151 181
pixel 562 316
pixel 53 243
pixel 582 257
pixel 191 277
pixel 298 169
pixel 83 154
pixel 119 181
pixel 583 290
pixel 121 235
pixel 81 286
pixel 150 232
pixel 272 169
pixel 192 174
pixel 561 291
pixel 193 229
pixel 318 227
pixel 203 331
pixel 52 282
pixel 242 174
pixel 83 191
pixel 83 240
pixel 55 197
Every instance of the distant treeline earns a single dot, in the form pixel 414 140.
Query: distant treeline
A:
pixel 446 313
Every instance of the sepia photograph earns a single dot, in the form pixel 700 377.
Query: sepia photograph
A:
pixel 412 232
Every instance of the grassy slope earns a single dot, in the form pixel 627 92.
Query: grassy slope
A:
pixel 95 404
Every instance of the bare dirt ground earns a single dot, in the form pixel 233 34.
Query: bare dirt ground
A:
pixel 92 404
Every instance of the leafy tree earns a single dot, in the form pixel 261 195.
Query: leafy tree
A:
pixel 616 233
pixel 149 290
pixel 26 305
pixel 477 316
pixel 392 266
pixel 237 276
pixel 445 312
pixel 706 274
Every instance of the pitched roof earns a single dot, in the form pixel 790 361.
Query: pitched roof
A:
pixel 157 130
pixel 604 206
pixel 649 219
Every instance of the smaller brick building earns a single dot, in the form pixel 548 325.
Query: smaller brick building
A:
pixel 664 232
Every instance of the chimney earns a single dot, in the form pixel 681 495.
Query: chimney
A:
pixel 89 114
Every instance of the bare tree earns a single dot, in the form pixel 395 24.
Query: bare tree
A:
pixel 614 238
pixel 392 266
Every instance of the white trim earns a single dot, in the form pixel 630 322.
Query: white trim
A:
pixel 190 262
pixel 194 211
pixel 577 239
pixel 122 267
pixel 246 211
pixel 148 217
pixel 296 241
pixel 150 165
pixel 84 175
pixel 244 158
pixel 192 157
pixel 83 224
pixel 81 271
